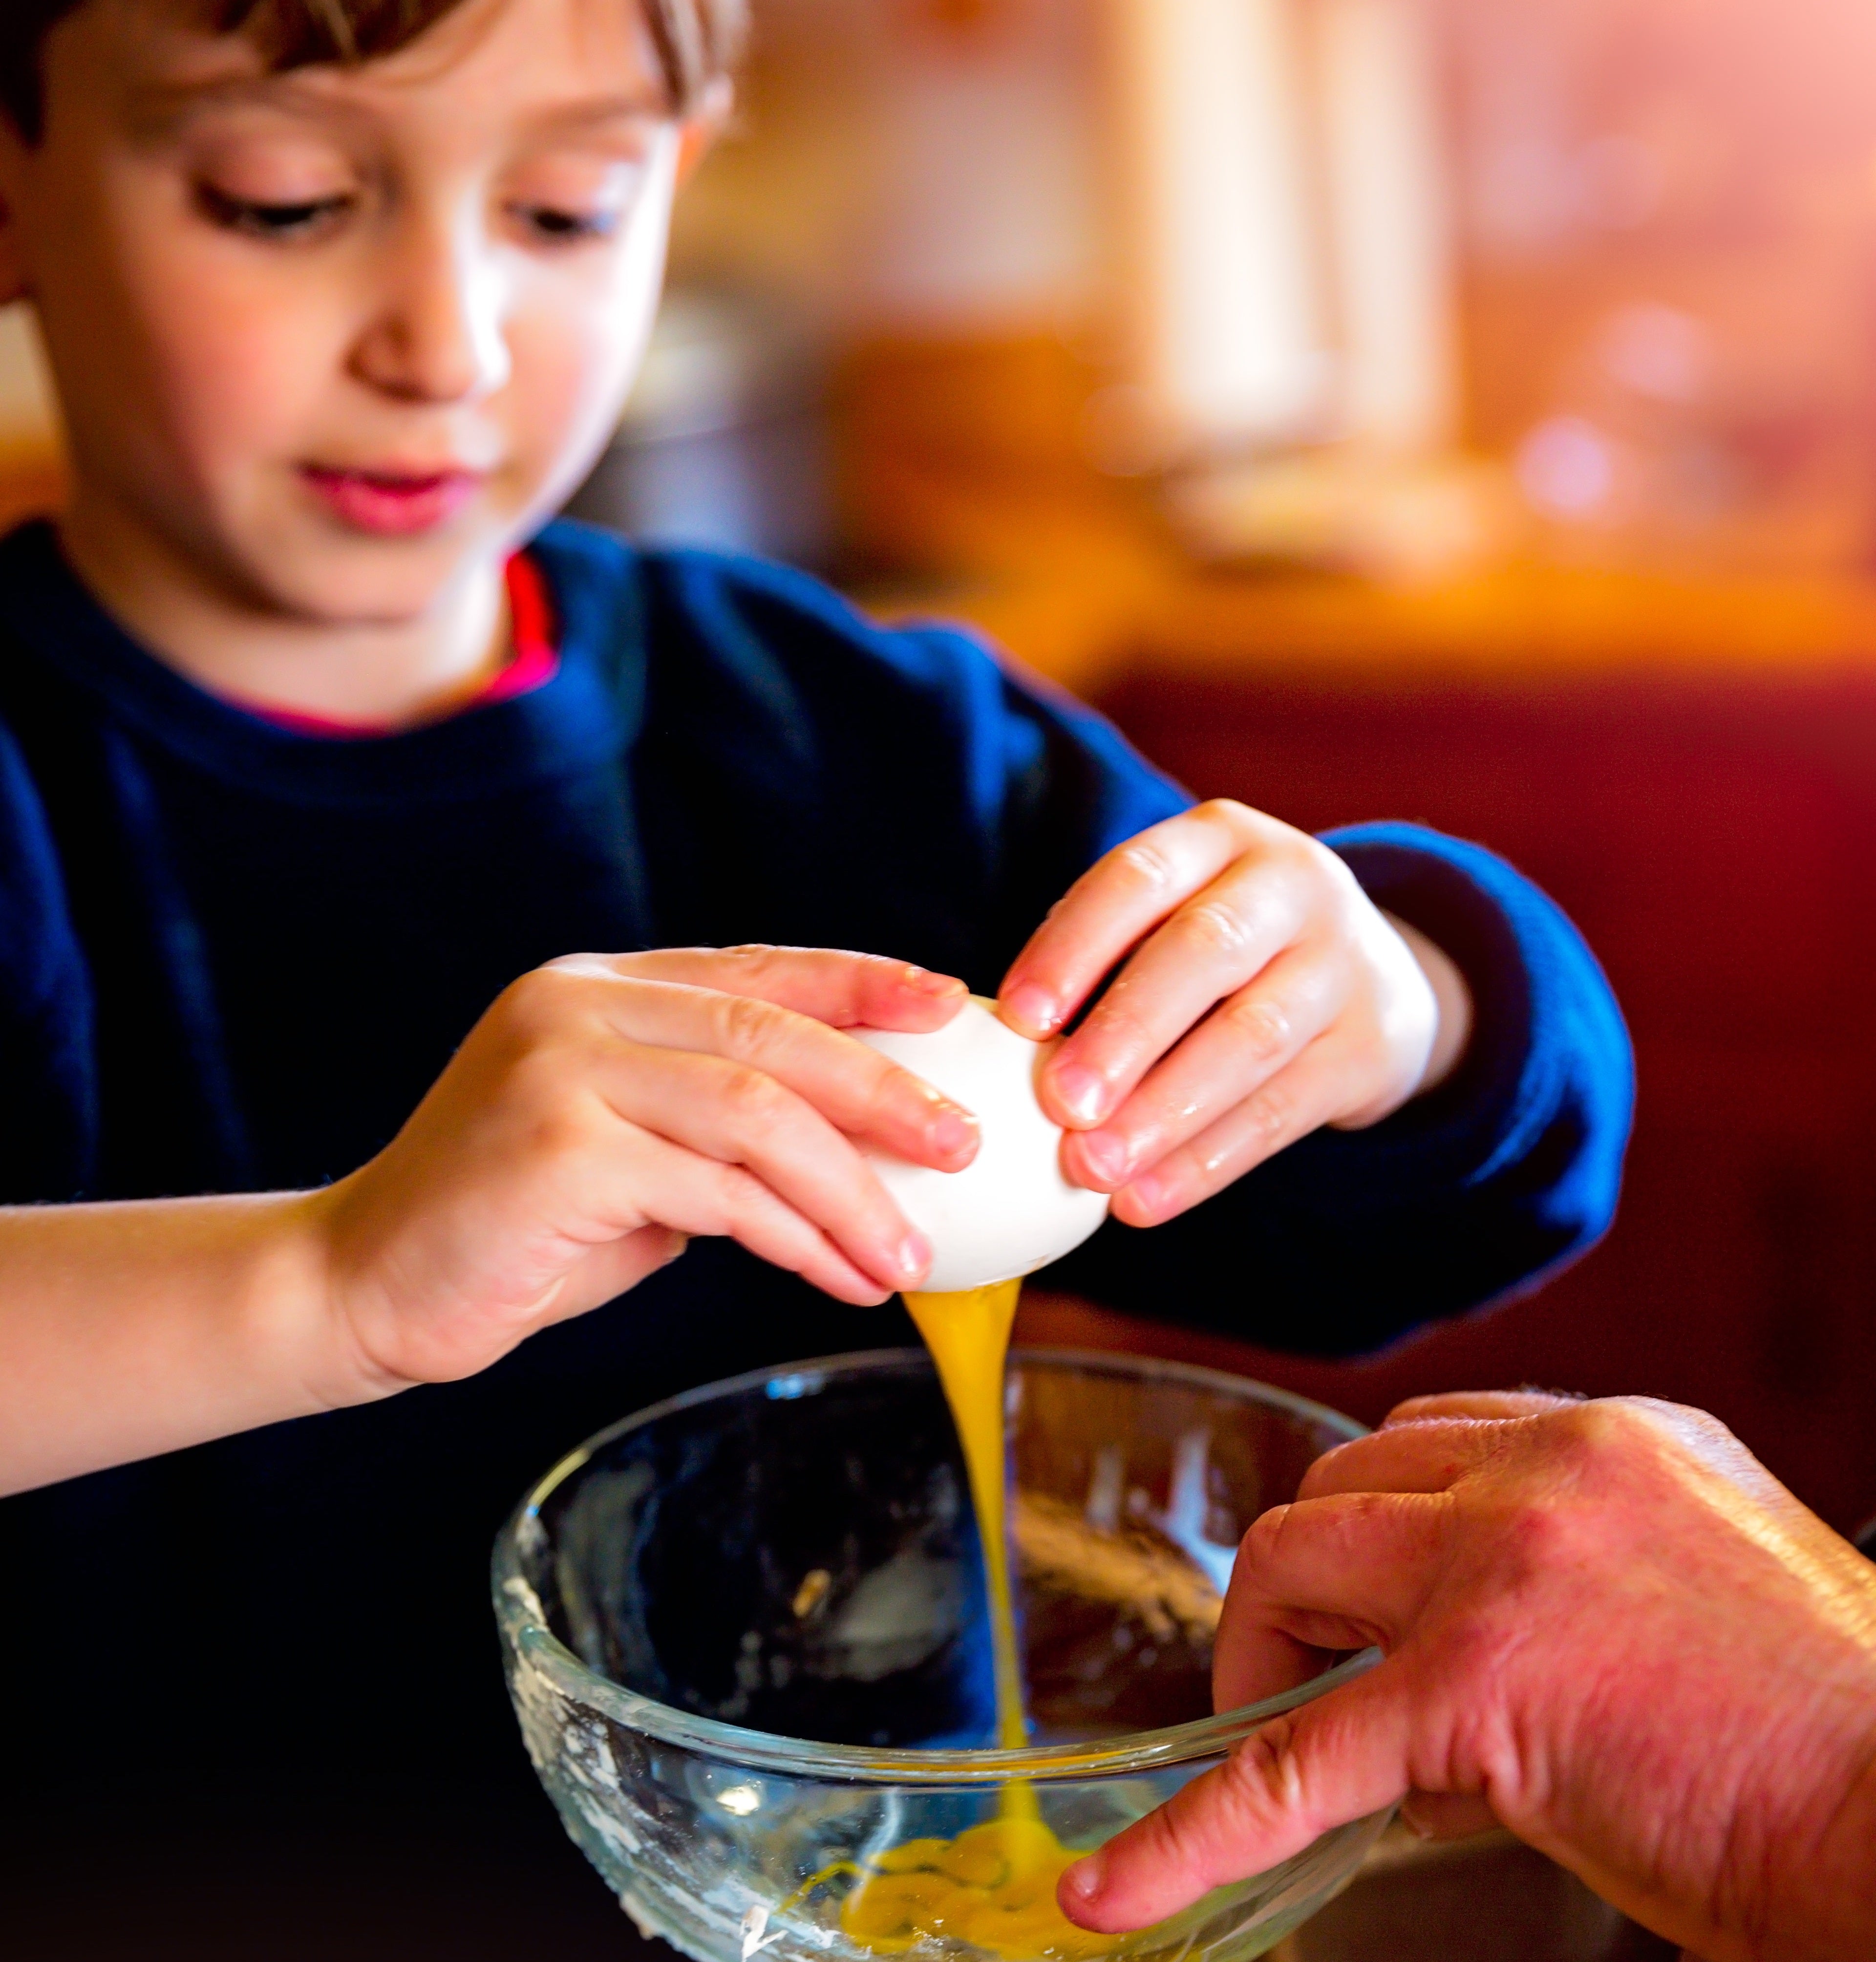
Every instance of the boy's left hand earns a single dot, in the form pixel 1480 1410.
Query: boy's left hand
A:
pixel 1263 996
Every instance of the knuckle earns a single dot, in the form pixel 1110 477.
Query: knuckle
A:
pixel 1333 877
pixel 752 957
pixel 745 1024
pixel 1215 927
pixel 740 1199
pixel 1536 1534
pixel 1585 1438
pixel 536 1002
pixel 754 1100
pixel 1146 862
pixel 1265 1775
pixel 1259 1025
pixel 1269 1117
pixel 1230 813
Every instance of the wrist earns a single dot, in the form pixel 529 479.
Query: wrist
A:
pixel 1453 1004
pixel 297 1311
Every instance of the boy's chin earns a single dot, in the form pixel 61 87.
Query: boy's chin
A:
pixel 367 582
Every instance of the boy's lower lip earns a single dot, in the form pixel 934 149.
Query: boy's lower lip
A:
pixel 391 506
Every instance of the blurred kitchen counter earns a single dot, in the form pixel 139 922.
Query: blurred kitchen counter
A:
pixel 968 486
pixel 1091 623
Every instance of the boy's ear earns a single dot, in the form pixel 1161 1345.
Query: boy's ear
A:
pixel 704 124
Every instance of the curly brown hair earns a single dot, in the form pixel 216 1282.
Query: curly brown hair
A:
pixel 697 40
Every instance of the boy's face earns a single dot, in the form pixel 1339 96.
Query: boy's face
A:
pixel 327 339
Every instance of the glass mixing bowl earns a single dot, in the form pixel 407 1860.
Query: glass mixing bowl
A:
pixel 746 1635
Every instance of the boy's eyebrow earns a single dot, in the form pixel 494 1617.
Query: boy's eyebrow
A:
pixel 162 109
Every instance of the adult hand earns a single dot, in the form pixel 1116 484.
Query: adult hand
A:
pixel 1263 996
pixel 605 1109
pixel 1606 1627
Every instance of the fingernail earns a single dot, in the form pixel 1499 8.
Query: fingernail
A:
pixel 1082 1093
pixel 1108 1156
pixel 1085 1878
pixel 1034 1007
pixel 922 981
pixel 680 1246
pixel 912 1257
pixel 951 1133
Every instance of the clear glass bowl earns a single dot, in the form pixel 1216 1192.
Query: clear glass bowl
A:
pixel 746 1637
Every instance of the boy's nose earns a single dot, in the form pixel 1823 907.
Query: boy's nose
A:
pixel 439 336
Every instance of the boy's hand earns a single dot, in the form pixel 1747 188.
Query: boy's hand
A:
pixel 1263 996
pixel 606 1109
pixel 1606 1628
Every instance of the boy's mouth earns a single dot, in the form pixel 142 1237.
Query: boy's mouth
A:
pixel 392 503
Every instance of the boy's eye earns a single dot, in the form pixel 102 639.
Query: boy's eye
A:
pixel 555 227
pixel 301 218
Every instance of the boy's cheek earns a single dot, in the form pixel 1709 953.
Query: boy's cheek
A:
pixel 568 390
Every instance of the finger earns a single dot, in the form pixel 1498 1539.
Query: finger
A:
pixel 1483 1404
pixel 844 990
pixel 1431 1455
pixel 857 1089
pixel 1258 1031
pixel 1350 1572
pixel 1210 948
pixel 1114 905
pixel 703 1198
pixel 1298 1100
pixel 738 1114
pixel 1339 1759
pixel 1448 1815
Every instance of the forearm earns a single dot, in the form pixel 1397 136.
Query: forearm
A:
pixel 127 1330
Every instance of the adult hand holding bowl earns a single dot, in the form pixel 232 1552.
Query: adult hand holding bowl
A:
pixel 1608 1628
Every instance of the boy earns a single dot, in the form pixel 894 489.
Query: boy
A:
pixel 304 759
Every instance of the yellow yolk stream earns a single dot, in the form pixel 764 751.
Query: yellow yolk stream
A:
pixel 969 1336
pixel 995 1886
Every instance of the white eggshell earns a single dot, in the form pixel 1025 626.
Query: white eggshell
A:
pixel 1010 1210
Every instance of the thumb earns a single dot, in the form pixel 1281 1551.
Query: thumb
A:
pixel 1294 1779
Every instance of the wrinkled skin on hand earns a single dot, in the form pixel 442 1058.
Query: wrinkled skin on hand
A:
pixel 1606 1627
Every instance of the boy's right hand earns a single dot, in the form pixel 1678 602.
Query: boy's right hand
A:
pixel 606 1109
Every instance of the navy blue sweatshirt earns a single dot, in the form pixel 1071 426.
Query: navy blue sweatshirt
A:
pixel 233 957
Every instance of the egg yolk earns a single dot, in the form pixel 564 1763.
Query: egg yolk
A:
pixel 995 1886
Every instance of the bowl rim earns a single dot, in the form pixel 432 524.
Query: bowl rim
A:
pixel 524 1621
